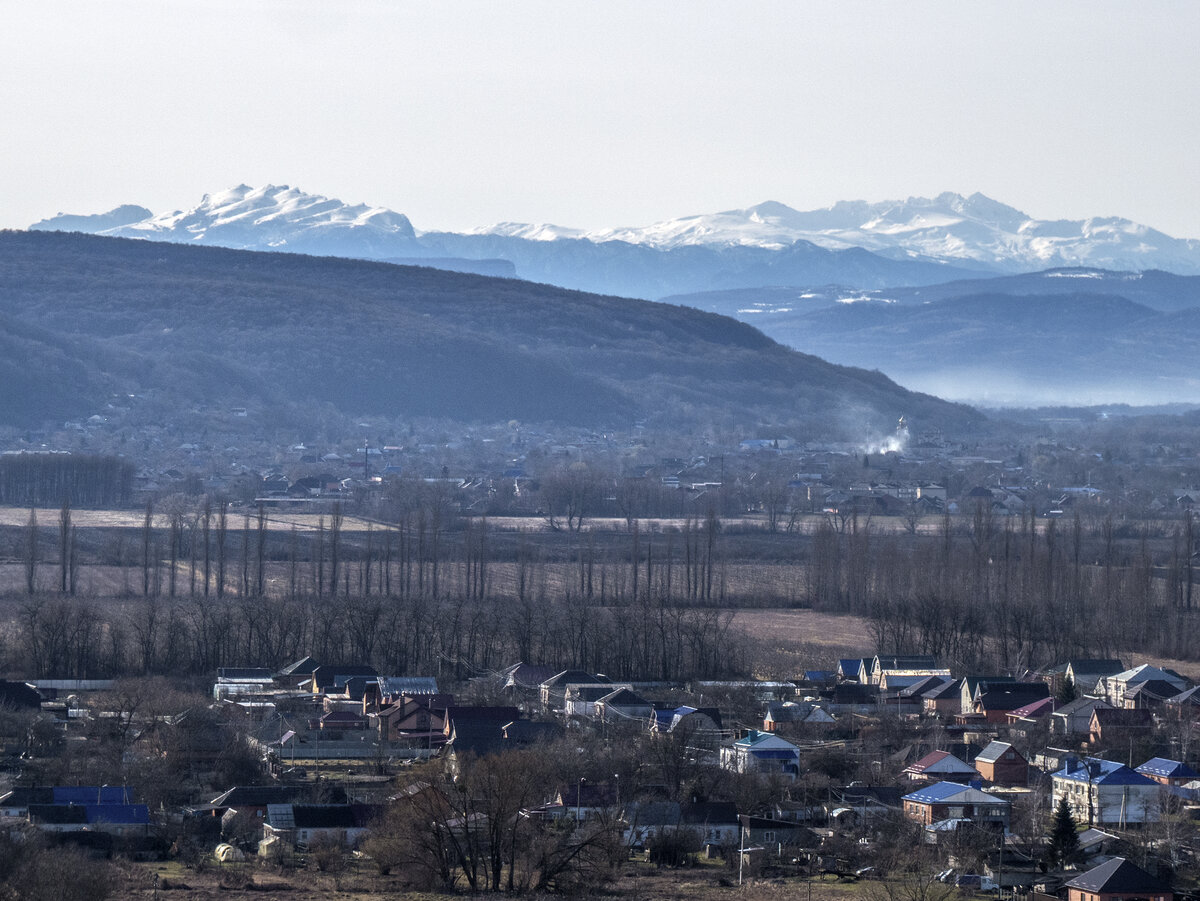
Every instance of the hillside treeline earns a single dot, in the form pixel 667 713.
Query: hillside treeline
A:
pixel 48 480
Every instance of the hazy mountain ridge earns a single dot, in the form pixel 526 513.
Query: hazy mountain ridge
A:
pixel 296 334
pixel 1081 346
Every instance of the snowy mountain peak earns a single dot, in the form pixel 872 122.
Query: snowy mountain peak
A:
pixel 276 217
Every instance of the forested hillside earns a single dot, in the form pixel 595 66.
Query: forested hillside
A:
pixel 83 317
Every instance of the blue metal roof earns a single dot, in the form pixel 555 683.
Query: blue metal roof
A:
pixel 1168 769
pixel 1102 772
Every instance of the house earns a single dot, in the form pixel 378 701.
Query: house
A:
pixel 579 699
pixel 1086 674
pixel 332 678
pixel 1002 764
pixel 1168 772
pixel 923 664
pixel 1118 880
pixel 114 819
pixel 786 712
pixel 388 689
pixel 249 800
pixel 1075 718
pixel 623 705
pixel 415 722
pixel 1151 694
pixel 526 678
pixel 1116 687
pixel 948 801
pixel 1101 792
pixel 1117 725
pixel 971 686
pixel 997 700
pixel 702 725
pixel 774 834
pixel 761 752
pixel 854 669
pixel 242 681
pixel 940 766
pixel 584 800
pixel 943 699
pixel 302 824
pixel 554 690
pixel 297 673
pixel 715 822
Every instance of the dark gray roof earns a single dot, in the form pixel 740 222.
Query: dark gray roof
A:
pixel 1118 876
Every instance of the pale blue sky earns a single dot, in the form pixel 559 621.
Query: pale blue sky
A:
pixel 596 114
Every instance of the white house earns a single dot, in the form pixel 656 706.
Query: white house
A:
pixel 761 752
pixel 1102 792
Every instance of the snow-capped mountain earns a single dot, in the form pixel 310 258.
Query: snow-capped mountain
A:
pixel 949 228
pixel 919 241
pixel 275 217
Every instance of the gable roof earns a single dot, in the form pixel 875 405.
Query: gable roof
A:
pixel 1010 695
pixel 1118 876
pixel 951 689
pixel 1036 709
pixel 1082 705
pixel 940 762
pixel 1167 769
pixel 994 751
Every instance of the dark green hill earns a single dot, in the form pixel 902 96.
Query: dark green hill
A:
pixel 82 317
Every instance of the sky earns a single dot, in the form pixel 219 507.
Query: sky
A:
pixel 601 114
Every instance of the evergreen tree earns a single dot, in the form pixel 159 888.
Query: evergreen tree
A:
pixel 1067 692
pixel 1063 848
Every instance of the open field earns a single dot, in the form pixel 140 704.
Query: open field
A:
pixel 704 881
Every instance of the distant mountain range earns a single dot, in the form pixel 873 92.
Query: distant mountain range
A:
pixel 296 339
pixel 918 241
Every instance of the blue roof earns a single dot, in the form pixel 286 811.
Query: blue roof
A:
pixel 1102 772
pixel 1168 769
pixel 135 814
pixel 91 794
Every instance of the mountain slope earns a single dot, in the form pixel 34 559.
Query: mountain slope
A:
pixel 1005 349
pixel 294 335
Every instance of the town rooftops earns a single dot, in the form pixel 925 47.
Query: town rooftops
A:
pixel 1118 877
pixel 1095 771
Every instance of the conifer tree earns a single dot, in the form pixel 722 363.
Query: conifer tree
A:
pixel 1063 848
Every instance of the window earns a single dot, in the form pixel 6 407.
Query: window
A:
pixel 768 836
